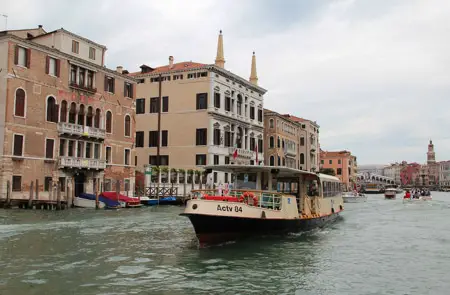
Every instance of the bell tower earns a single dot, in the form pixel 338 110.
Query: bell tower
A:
pixel 431 156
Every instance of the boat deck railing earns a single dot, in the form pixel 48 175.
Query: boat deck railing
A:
pixel 265 199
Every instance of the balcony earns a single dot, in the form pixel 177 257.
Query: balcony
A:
pixel 79 130
pixel 81 163
pixel 291 152
pixel 83 88
pixel 313 147
pixel 241 153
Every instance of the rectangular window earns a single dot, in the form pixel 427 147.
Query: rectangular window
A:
pixel 82 75
pixel 126 184
pixel 18 145
pixel 202 101
pixel 217 100
pixel 260 115
pixel 152 160
pixel 92 53
pixel 140 106
pixel 16 183
pixel 216 136
pixel 127 157
pixel 227 160
pixel 252 143
pixel 252 112
pixel 216 159
pixel 200 160
pixel 108 155
pixel 165 104
pixel 153 139
pixel 47 183
pixel 139 139
pixel 22 57
pixel 49 146
pixel 339 171
pixel 164 160
pixel 97 151
pixel 331 161
pixel 90 80
pixel 52 66
pixel 88 150
pixel 128 90
pixel 339 161
pixel 215 177
pixel 302 141
pixel 154 105
pixel 109 84
pixel 260 146
pixel 80 149
pixel 73 74
pixel 226 177
pixel 107 187
pixel 62 184
pixel 62 147
pixel 75 47
pixel 227 138
pixel 227 104
pixel 71 148
pixel 200 136
pixel 321 162
pixel 164 137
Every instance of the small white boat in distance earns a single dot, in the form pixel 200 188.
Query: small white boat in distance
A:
pixel 353 197
pixel 390 193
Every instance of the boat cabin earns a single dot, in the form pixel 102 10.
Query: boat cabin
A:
pixel 268 186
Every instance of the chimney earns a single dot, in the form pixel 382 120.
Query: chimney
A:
pixel 170 62
pixel 40 26
pixel 119 69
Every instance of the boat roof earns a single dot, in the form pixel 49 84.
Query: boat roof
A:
pixel 282 172
pixel 391 189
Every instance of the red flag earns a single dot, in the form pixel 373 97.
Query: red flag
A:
pixel 256 151
pixel 235 154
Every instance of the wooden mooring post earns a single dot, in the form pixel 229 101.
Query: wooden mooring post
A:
pixel 30 199
pixel 117 190
pixel 8 194
pixel 36 195
pixel 96 194
pixel 58 196
pixel 67 195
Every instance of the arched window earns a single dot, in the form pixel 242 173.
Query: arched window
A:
pixel 108 123
pixel 302 159
pixel 271 142
pixel 278 142
pixel 97 118
pixel 127 126
pixel 19 104
pixel 89 116
pixel 81 115
pixel 63 111
pixel 271 123
pixel 73 113
pixel 279 161
pixel 272 161
pixel 52 110
pixel 239 104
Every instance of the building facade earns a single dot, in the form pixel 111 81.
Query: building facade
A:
pixel 343 163
pixel 309 143
pixel 410 174
pixel 208 116
pixel 444 173
pixel 65 118
pixel 393 171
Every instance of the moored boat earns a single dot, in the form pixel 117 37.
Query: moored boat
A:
pixel 354 197
pixel 390 193
pixel 124 201
pixel 307 200
pixel 86 200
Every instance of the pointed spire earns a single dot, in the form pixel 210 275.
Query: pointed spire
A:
pixel 253 75
pixel 220 59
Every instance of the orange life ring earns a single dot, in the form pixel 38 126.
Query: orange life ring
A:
pixel 245 196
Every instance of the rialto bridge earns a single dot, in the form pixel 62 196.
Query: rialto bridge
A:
pixel 368 177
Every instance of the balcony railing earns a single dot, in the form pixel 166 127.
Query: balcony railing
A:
pixel 241 152
pixel 84 88
pixel 291 152
pixel 313 147
pixel 75 129
pixel 81 163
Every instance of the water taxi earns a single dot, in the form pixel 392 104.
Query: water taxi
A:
pixel 390 193
pixel 354 197
pixel 292 200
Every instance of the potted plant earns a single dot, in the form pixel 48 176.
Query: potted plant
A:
pixel 164 170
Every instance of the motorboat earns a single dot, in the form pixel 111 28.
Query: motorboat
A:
pixel 125 202
pixel 296 201
pixel 390 193
pixel 86 200
pixel 354 197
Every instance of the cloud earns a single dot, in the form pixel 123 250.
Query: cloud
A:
pixel 373 74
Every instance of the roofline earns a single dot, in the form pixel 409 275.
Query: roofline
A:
pixel 68 56
pixel 24 30
pixel 73 35
pixel 210 67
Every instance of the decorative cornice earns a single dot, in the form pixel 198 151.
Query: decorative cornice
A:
pixel 232 120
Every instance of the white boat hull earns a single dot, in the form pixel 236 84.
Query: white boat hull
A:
pixel 420 199
pixel 85 203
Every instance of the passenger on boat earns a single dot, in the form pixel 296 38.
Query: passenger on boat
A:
pixel 407 195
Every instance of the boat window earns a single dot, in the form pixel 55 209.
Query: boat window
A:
pixel 246 181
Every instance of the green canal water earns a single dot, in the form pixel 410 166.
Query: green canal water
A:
pixel 378 247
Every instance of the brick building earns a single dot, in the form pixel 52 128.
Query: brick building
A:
pixel 64 117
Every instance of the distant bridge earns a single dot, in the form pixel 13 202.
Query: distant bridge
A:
pixel 368 177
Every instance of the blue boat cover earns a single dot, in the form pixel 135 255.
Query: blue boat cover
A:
pixel 108 202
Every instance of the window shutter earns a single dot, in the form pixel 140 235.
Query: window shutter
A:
pixel 16 55
pixel 28 57
pixel 58 67
pixel 47 64
pixel 106 83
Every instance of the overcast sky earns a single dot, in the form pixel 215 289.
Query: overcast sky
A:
pixel 374 74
